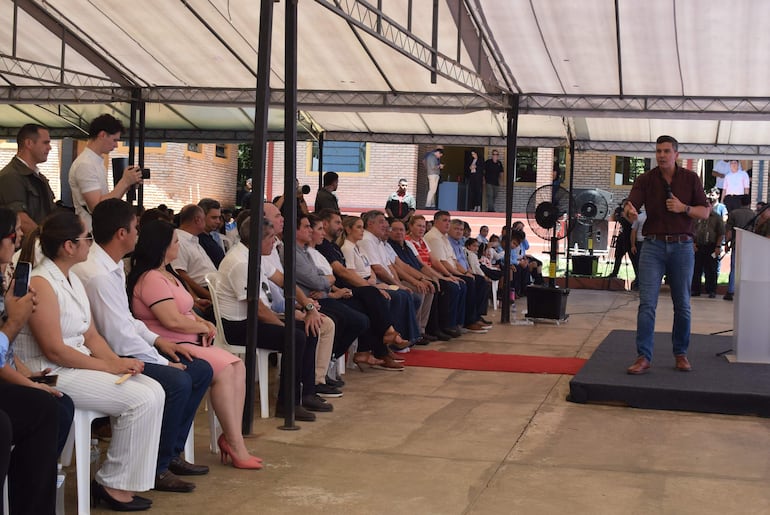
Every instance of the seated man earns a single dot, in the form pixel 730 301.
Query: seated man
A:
pixel 184 378
pixel 316 279
pixel 409 265
pixel 457 242
pixel 442 252
pixel 270 327
pixel 209 238
pixel 192 263
pixel 405 301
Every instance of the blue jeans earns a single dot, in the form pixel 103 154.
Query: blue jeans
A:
pixel 676 261
pixel 491 191
pixel 733 260
pixel 184 391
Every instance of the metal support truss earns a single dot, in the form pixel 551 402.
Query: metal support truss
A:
pixel 688 108
pixel 647 149
pixel 47 74
pixel 377 24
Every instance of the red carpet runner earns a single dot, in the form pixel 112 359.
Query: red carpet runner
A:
pixel 493 362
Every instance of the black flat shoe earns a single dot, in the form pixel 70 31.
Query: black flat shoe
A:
pixel 99 494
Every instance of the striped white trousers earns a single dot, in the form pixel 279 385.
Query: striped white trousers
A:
pixel 136 409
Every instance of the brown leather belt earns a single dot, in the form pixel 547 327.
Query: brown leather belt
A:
pixel 669 238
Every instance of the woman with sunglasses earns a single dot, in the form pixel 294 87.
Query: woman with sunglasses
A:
pixel 158 298
pixel 60 334
pixel 31 419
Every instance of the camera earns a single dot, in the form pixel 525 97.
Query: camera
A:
pixel 145 173
pixel 304 189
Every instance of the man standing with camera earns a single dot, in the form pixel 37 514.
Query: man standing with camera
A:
pixel 88 178
pixel 672 197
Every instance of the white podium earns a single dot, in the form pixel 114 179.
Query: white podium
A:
pixel 751 334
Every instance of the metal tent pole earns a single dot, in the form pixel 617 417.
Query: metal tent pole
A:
pixel 259 159
pixel 288 372
pixel 510 171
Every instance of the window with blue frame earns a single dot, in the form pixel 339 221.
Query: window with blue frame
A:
pixel 341 157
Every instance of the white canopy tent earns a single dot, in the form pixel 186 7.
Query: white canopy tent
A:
pixel 612 74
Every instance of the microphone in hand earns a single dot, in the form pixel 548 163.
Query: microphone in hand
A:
pixel 669 194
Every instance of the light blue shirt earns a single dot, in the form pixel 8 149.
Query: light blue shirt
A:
pixel 4 343
pixel 459 250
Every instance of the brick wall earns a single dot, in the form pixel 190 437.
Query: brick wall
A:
pixel 386 165
pixel 180 177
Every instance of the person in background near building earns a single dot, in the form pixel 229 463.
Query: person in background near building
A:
pixel 474 178
pixel 433 166
pixel 325 198
pixel 737 219
pixel 88 178
pixel 709 234
pixel 192 263
pixel 493 170
pixel 246 199
pixel 229 229
pixel 673 197
pixel 209 238
pixel 737 183
pixel 637 241
pixel 23 188
pixel 400 205
pixel 721 168
pixel 622 239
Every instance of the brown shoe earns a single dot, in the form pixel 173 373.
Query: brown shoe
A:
pixel 640 366
pixel 476 328
pixel 180 467
pixel 682 363
pixel 170 482
pixel 390 365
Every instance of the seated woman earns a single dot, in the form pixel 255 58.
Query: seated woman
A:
pixel 61 335
pixel 34 414
pixel 357 261
pixel 159 299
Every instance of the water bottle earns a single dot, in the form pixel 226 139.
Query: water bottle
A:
pixel 95 454
pixel 60 476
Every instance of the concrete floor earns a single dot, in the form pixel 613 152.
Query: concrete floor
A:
pixel 434 441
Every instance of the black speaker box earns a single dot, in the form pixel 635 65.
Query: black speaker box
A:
pixel 546 302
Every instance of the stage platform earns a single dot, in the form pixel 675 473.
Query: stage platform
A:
pixel 713 386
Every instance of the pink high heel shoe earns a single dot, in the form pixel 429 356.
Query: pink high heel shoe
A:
pixel 225 452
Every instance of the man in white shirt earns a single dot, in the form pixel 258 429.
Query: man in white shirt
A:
pixel 406 302
pixel 721 168
pixel 270 327
pixel 737 183
pixel 192 263
pixel 184 378
pixel 443 257
pixel 88 178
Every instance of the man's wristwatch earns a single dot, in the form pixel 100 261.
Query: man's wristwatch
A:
pixel 308 307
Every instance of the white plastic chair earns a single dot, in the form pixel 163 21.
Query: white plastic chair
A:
pixel 214 428
pixel 495 284
pixel 212 280
pixel 80 435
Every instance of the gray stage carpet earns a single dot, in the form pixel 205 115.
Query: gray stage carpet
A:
pixel 713 386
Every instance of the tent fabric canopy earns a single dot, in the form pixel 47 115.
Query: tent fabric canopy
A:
pixel 613 75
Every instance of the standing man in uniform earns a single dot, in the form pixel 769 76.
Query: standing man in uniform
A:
pixel 672 197
pixel 23 188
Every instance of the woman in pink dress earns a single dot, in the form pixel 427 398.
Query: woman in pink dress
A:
pixel 160 300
